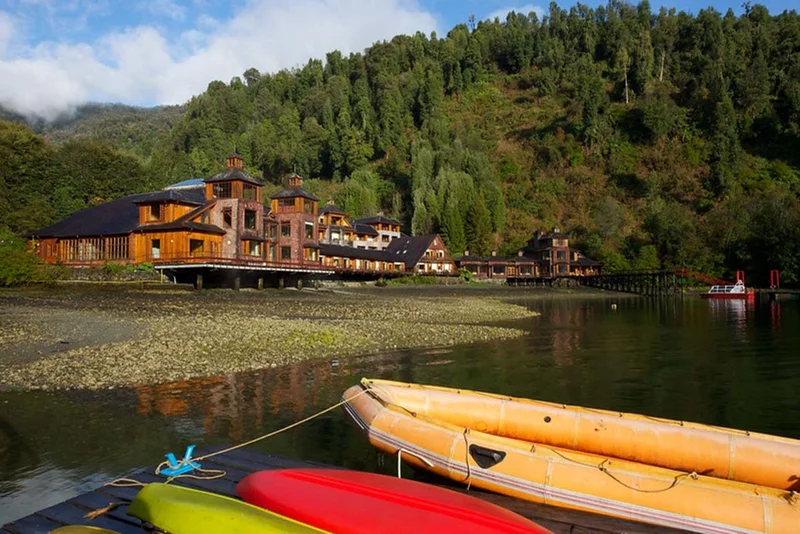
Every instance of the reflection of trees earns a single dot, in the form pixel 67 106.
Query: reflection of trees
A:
pixel 15 451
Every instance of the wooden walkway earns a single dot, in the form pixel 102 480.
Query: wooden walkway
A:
pixel 238 464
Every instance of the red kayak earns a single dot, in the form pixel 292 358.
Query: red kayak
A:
pixel 353 502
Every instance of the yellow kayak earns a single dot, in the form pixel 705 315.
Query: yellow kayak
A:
pixel 82 529
pixel 180 510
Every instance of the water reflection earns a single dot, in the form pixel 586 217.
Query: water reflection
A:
pixel 729 364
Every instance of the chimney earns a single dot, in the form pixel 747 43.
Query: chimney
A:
pixel 295 180
pixel 330 202
pixel 380 213
pixel 466 252
pixel 494 253
pixel 519 253
pixel 234 161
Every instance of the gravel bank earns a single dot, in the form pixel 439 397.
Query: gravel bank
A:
pixel 99 339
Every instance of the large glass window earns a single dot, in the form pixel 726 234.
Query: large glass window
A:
pixel 309 230
pixel 561 254
pixel 196 247
pixel 286 229
pixel 223 190
pixel 227 218
pixel 250 219
pixel 286 253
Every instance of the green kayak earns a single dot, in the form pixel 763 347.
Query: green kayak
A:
pixel 179 510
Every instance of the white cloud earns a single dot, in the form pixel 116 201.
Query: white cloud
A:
pixel 166 8
pixel 524 9
pixel 6 32
pixel 145 65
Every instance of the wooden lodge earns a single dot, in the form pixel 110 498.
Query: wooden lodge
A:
pixel 221 222
pixel 546 255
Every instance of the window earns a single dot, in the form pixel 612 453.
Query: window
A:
pixel 155 248
pixel 205 217
pixel 195 247
pixel 250 219
pixel 249 192
pixel 273 231
pixel 334 235
pixel 310 253
pixel 308 206
pixel 154 212
pixel 561 254
pixel 286 253
pixel 309 230
pixel 222 190
pixel 227 218
pixel 252 248
pixel 286 229
pixel 441 253
pixel 499 269
pixel 285 205
pixel 272 253
pixel 385 238
pixel 562 269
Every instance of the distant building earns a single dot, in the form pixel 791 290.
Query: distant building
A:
pixel 546 255
pixel 222 221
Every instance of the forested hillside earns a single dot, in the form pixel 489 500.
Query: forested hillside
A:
pixel 653 138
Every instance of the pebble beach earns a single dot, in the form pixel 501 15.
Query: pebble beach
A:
pixel 96 338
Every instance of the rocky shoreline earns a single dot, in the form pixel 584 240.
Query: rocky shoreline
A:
pixel 98 338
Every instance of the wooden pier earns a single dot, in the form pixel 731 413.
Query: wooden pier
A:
pixel 239 463
pixel 651 283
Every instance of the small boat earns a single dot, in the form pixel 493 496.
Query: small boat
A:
pixel 180 510
pixel 727 292
pixel 570 457
pixel 354 502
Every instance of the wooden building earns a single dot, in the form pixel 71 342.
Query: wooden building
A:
pixel 220 219
pixel 547 255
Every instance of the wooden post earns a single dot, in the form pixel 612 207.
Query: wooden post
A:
pixel 260 284
pixel 237 282
pixel 281 283
pixel 299 283
pixel 198 284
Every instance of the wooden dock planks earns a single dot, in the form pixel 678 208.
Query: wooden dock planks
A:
pixel 239 463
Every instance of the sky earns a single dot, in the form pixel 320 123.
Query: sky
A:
pixel 58 54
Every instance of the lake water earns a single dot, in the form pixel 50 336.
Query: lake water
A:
pixel 725 363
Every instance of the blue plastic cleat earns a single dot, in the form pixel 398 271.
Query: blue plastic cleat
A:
pixel 186 465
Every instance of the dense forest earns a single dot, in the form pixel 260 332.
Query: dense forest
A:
pixel 655 138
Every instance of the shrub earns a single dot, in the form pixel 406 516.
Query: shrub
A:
pixel 18 265
pixel 465 274
pixel 113 268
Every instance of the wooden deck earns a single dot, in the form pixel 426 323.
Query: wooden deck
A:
pixel 238 464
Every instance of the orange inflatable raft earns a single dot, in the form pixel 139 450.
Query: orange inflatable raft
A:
pixel 684 475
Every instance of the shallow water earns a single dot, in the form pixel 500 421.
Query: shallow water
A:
pixel 723 363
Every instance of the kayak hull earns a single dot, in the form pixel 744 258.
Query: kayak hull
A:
pixel 180 510
pixel 353 502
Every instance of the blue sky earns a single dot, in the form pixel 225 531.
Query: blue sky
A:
pixel 56 54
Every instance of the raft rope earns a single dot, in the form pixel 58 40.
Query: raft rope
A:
pixel 213 474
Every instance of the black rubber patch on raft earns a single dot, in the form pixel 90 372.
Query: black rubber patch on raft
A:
pixel 484 457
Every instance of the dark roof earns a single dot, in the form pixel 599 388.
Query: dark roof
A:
pixel 119 216
pixel 410 249
pixel 468 257
pixel 331 209
pixel 185 225
pixel 186 196
pixel 234 174
pixel 353 252
pixel 377 219
pixel 364 229
pixel 583 261
pixel 293 192
pixel 496 259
